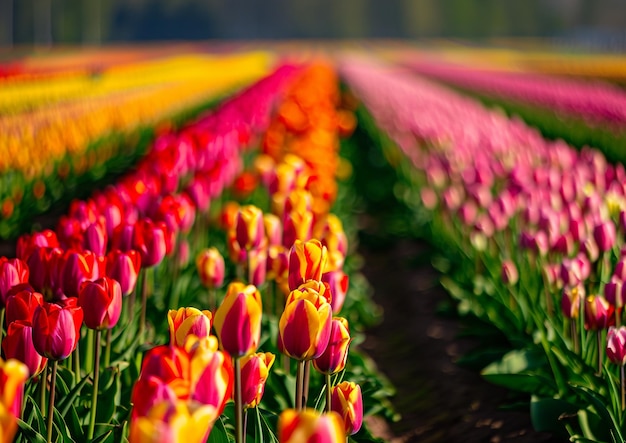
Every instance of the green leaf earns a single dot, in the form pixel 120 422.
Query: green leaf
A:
pixel 68 400
pixel 547 414
pixel 607 421
pixel 219 434
pixel 522 370
pixel 28 431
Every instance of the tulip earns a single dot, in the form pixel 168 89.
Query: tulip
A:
pixel 510 275
pixel 211 372
pixel 597 313
pixel 604 234
pixel 95 239
pixel 334 358
pixel 308 426
pixel 149 390
pixel 13 375
pixel 210 265
pixel 304 327
pixel 257 263
pixel 26 244
pixel 169 364
pixel 101 301
pixel 18 344
pixel 8 425
pixel 273 229
pixel 21 306
pixel 254 372
pixel 229 214
pixel 56 328
pixel 297 226
pixel 150 239
pixel 188 321
pixel 75 268
pixel 176 421
pixel 307 261
pixel 249 230
pixel 338 282
pixel 237 321
pixel 616 352
pixel 347 401
pixel 616 345
pixel 124 267
pixel 12 273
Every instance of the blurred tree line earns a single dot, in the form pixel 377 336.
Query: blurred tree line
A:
pixel 102 21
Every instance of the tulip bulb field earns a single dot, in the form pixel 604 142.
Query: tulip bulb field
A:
pixel 182 234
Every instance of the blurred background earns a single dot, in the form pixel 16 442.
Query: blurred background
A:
pixel 595 24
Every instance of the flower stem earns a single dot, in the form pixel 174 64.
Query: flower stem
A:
pixel 107 349
pixel 600 353
pixel 53 383
pixel 328 386
pixel 96 379
pixel 622 387
pixel 43 380
pixel 2 311
pixel 212 299
pixel 144 300
pixel 299 383
pixel 305 382
pixel 77 365
pixel 238 400
pixel 89 357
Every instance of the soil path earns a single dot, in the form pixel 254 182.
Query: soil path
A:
pixel 416 348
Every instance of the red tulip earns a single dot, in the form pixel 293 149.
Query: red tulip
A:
pixel 101 301
pixel 210 265
pixel 22 305
pixel 616 345
pixel 338 282
pixel 150 239
pixel 12 273
pixel 124 267
pixel 26 244
pixel 56 328
pixel 77 268
pixel 598 313
pixel 18 344
pixel 95 239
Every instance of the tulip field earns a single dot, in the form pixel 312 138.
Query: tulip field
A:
pixel 182 238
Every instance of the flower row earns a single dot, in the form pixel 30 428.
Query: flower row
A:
pixel 540 227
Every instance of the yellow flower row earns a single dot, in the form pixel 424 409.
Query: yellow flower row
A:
pixel 25 93
pixel 32 142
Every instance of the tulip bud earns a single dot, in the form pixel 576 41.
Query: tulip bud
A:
pixel 254 372
pixel 56 328
pixel 210 265
pixel 338 282
pixel 26 244
pixel 176 421
pixel 297 226
pixel 604 234
pixel 12 273
pixel 258 266
pixel 273 229
pixel 101 301
pixel 307 261
pixel 124 267
pixel 308 426
pixel 616 345
pixel 76 268
pixel 150 239
pixel 18 344
pixel 237 321
pixel 22 305
pixel 334 358
pixel 249 230
pixel 613 293
pixel 188 321
pixel 347 401
pixel 570 300
pixel 212 374
pixel 510 275
pixel 598 313
pixel 277 263
pixel 95 239
pixel 304 327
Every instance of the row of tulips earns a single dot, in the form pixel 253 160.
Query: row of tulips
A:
pixel 101 125
pixel 105 243
pixel 538 231
pixel 581 113
pixel 599 103
pixel 107 250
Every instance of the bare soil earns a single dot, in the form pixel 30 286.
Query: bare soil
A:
pixel 417 349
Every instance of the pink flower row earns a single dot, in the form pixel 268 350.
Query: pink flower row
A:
pixel 593 101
